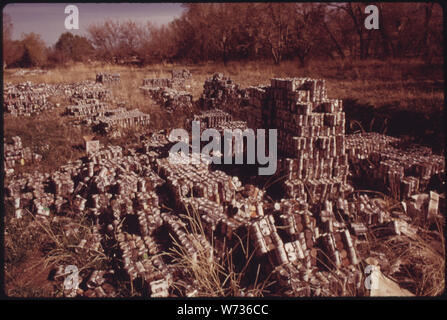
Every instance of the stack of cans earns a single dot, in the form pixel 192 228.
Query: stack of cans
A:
pixel 387 164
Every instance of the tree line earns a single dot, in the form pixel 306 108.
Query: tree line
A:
pixel 246 31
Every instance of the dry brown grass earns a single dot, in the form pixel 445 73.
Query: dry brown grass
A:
pixel 415 261
pixel 33 246
pixel 416 265
pixel 215 277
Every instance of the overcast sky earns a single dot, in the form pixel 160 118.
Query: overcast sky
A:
pixel 47 19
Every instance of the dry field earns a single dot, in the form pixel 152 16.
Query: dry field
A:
pixel 400 90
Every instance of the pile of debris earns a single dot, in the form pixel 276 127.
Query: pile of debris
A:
pixel 170 92
pixel 156 83
pixel 387 164
pixel 220 92
pixel 110 119
pixel 311 133
pixel 211 118
pixel 29 99
pixel 425 207
pixel 286 234
pixel 101 187
pixel 308 248
pixel 81 91
pixel 171 99
pixel 15 153
pixel 219 120
pixel 179 79
pixel 26 99
pixel 91 109
pixel 87 109
pixel 222 122
pixel 102 118
pixel 108 78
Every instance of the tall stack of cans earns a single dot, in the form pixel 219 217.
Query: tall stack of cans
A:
pixel 311 131
pixel 181 74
